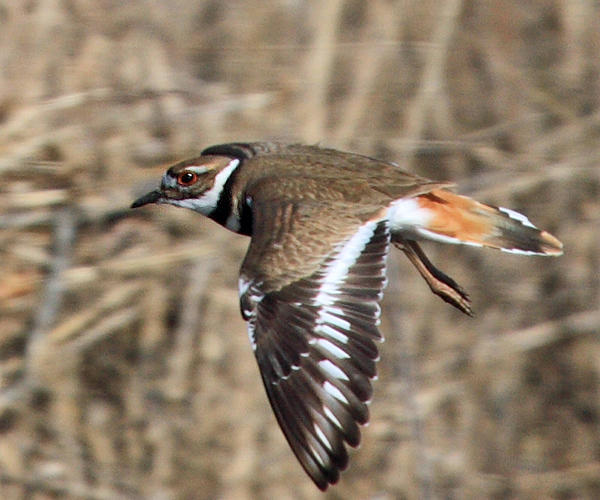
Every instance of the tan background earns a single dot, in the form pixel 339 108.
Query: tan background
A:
pixel 125 369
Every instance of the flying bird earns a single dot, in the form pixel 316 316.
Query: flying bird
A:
pixel 321 223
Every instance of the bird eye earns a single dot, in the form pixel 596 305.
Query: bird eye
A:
pixel 187 178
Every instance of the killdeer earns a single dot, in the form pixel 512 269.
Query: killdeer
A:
pixel 321 224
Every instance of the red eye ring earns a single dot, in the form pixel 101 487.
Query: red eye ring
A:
pixel 186 179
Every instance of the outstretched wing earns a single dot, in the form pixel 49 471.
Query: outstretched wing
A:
pixel 315 336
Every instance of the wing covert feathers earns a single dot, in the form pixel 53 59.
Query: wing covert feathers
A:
pixel 315 342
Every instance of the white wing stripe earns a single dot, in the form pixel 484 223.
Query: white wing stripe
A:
pixel 327 316
pixel 332 370
pixel 335 392
pixel 332 333
pixel 337 271
pixel 332 348
pixel 331 416
pixel 322 436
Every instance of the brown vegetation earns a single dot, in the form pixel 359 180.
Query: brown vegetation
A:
pixel 125 370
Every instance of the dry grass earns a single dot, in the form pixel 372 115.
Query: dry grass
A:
pixel 125 370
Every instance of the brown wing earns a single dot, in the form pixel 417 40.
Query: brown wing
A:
pixel 380 176
pixel 356 177
pixel 314 336
pixel 291 239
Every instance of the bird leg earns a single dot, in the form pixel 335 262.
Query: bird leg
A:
pixel 441 284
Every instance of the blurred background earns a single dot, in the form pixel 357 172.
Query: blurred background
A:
pixel 125 369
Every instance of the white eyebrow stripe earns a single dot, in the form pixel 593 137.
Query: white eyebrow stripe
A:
pixel 198 169
pixel 206 203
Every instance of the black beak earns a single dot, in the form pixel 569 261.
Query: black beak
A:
pixel 151 197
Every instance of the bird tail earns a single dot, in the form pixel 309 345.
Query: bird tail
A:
pixel 447 217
